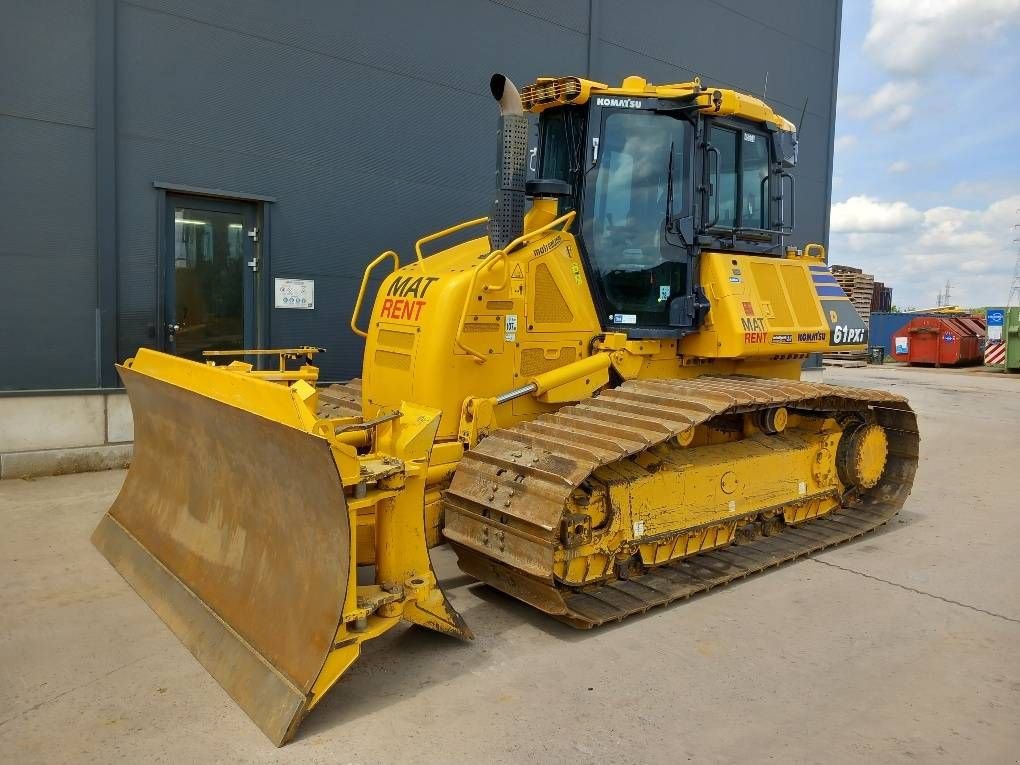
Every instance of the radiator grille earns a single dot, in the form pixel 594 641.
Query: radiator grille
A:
pixel 534 361
pixel 550 305
pixel 393 360
pixel 392 338
pixel 481 326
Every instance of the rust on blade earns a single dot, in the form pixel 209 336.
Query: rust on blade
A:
pixel 234 530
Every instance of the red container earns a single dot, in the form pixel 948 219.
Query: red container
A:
pixel 945 341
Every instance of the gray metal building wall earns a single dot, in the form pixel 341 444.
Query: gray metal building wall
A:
pixel 47 195
pixel 369 124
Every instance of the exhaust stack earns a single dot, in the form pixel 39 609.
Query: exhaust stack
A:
pixel 506 220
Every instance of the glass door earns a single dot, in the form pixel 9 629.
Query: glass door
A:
pixel 211 284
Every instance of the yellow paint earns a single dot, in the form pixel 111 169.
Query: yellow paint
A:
pixel 451 331
pixel 674 501
pixel 547 92
pixel 865 455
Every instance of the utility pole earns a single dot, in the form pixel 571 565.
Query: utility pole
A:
pixel 942 299
pixel 1014 288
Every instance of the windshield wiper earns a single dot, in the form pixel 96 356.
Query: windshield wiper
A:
pixel 672 224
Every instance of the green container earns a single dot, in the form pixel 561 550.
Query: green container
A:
pixel 1011 334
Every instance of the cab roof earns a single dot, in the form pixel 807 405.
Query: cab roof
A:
pixel 548 92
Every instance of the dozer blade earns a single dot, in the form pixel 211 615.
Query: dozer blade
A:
pixel 233 528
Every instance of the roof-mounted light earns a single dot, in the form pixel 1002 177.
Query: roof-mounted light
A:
pixel 556 91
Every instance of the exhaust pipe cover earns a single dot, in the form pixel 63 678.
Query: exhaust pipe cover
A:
pixel 505 92
pixel 506 218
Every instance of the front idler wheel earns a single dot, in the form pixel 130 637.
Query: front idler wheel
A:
pixel 861 455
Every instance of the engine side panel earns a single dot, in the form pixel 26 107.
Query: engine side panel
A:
pixel 772 307
pixel 526 314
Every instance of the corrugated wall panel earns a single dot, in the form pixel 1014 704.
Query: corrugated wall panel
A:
pixel 47 196
pixel 365 136
pixel 369 123
pixel 47 59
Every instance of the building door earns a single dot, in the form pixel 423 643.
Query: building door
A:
pixel 210 287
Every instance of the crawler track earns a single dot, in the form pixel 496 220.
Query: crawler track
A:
pixel 513 487
pixel 340 400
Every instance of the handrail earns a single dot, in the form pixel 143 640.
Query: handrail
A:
pixel 713 190
pixel 814 247
pixel 293 353
pixel 490 260
pixel 441 234
pixel 782 204
pixel 364 285
pixel 566 219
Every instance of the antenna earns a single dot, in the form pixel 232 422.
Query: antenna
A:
pixel 765 90
pixel 802 113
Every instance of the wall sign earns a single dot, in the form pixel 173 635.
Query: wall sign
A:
pixel 294 293
pixel 995 317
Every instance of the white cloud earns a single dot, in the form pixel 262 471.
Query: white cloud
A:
pixel 912 37
pixel 845 142
pixel 867 215
pixel 972 249
pixel 899 166
pixel 950 229
pixel 984 190
pixel 892 104
pixel 913 40
pixel 1003 212
pixel 899 115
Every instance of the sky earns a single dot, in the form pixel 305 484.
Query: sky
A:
pixel 926 170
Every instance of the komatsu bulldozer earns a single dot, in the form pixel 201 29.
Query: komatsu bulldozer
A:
pixel 594 397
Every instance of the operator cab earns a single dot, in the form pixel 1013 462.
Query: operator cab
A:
pixel 656 174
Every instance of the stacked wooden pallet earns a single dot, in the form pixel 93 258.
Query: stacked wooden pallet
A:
pixel 860 288
pixel 881 299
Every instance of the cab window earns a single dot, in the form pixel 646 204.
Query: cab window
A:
pixel 555 161
pixel 740 190
pixel 725 142
pixel 754 186
pixel 640 185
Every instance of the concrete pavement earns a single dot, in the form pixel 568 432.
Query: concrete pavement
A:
pixel 903 647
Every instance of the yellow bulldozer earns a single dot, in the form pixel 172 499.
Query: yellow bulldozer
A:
pixel 596 400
